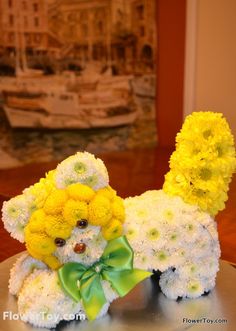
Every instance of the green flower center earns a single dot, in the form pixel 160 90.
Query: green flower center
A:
pixel 168 214
pixel 190 227
pixel 219 151
pixel 153 234
pixel 193 287
pixel 144 258
pixel 173 237
pixel 207 134
pixel 80 168
pixel 199 193
pixel 193 268
pixel 161 256
pixel 115 230
pixel 69 181
pixel 13 212
pixel 91 181
pixel 205 174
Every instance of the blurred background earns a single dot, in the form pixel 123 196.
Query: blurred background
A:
pixel 109 75
pixel 76 75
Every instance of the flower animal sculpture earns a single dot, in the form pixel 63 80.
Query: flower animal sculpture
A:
pixel 86 246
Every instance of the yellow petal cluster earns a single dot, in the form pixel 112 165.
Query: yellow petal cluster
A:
pixel 55 202
pixel 75 210
pixel 60 211
pixel 112 230
pixel 41 190
pixel 203 163
pixel 100 211
pixel 80 192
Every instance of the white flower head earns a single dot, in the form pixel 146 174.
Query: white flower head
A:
pixel 15 215
pixel 82 168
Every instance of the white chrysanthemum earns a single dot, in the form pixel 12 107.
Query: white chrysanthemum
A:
pixel 24 265
pixel 82 168
pixel 91 237
pixel 194 288
pixel 175 238
pixel 171 285
pixel 15 215
pixel 42 301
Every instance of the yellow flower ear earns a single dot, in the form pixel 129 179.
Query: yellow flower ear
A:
pixel 80 192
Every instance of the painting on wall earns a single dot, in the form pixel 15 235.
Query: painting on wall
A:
pixel 76 75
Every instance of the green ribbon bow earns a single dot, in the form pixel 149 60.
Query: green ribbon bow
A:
pixel 115 265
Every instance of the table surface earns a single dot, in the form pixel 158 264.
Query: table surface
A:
pixel 131 173
pixel 144 307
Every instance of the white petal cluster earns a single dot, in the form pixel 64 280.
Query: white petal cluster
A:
pixel 23 267
pixel 82 168
pixel 91 237
pixel 175 238
pixel 15 215
pixel 42 301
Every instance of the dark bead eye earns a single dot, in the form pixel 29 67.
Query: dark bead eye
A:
pixel 82 224
pixel 59 242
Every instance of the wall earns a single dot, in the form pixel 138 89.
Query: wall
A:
pixel 170 69
pixel 211 59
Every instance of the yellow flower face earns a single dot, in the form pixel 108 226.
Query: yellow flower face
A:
pixel 63 209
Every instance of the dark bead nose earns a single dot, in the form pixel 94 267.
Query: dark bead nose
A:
pixel 80 248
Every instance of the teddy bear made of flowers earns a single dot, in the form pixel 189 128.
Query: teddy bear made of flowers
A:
pixel 86 246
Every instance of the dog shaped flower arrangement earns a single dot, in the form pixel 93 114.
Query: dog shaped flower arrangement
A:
pixel 86 246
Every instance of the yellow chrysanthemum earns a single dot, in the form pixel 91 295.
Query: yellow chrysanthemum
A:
pixel 57 227
pixel 100 211
pixel 50 178
pixel 80 192
pixel 42 189
pixel 33 253
pixel 40 243
pixel 118 209
pixel 107 192
pixel 37 221
pixel 55 202
pixel 202 165
pixel 74 211
pixel 113 230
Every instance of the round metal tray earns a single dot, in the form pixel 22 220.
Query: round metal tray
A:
pixel 145 307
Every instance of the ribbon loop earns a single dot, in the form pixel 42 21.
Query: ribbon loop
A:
pixel 115 266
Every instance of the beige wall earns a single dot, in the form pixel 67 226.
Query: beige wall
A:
pixel 213 66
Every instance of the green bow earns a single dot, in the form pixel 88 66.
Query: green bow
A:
pixel 115 265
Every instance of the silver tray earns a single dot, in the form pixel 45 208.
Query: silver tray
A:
pixel 145 307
